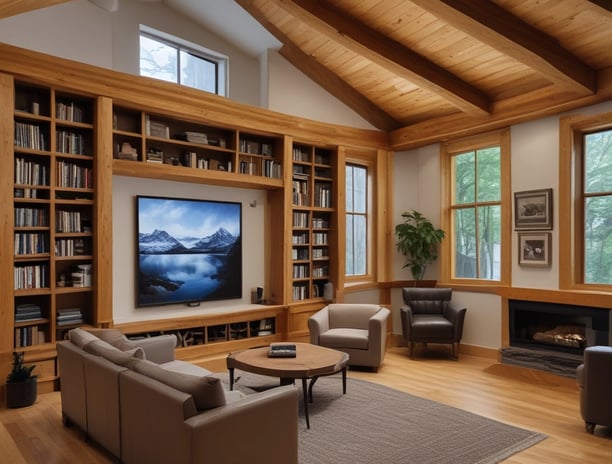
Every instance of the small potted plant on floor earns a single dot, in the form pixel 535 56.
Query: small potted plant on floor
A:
pixel 20 384
pixel 418 240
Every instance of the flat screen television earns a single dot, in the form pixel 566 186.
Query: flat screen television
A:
pixel 188 250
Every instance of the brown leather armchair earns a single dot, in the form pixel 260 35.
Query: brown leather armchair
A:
pixel 429 316
pixel 357 329
pixel 594 379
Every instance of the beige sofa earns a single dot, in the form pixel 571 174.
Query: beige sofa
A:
pixel 143 406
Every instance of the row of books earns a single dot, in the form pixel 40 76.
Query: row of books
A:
pixel 266 168
pixel 70 247
pixel 30 172
pixel 31 276
pixel 253 147
pixel 71 142
pixel 300 271
pixel 323 195
pixel 27 243
pixel 68 221
pixel 31 217
pixel 72 175
pixel 29 136
pixel 28 336
pixel 69 112
pixel 300 193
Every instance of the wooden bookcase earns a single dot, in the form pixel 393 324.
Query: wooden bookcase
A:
pixel 77 132
pixel 313 220
pixel 54 215
pixel 210 152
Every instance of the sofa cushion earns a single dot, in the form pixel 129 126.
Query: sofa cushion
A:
pixel 345 338
pixel 108 351
pixel 207 391
pixel 114 337
pixel 81 337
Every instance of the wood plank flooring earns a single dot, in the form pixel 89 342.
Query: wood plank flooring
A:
pixel 522 397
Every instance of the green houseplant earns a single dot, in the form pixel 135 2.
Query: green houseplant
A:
pixel 418 240
pixel 20 384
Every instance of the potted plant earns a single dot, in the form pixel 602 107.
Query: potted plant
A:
pixel 20 384
pixel 418 240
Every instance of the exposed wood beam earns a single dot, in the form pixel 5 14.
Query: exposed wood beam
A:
pixel 499 29
pixel 389 54
pixel 337 87
pixel 605 4
pixel 15 7
pixel 534 105
pixel 322 76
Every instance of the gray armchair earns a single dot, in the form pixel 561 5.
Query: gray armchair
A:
pixel 594 379
pixel 429 316
pixel 357 329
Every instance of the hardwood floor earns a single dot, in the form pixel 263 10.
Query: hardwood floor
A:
pixel 525 398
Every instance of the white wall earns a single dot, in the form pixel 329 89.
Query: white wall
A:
pixel 81 31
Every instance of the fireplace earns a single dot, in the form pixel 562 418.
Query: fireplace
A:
pixel 553 336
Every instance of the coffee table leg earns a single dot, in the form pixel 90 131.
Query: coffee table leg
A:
pixel 305 390
pixel 344 381
pixel 231 378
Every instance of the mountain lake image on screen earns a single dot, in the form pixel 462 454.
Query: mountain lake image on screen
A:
pixel 189 250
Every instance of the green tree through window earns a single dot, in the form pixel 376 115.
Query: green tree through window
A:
pixel 597 201
pixel 476 213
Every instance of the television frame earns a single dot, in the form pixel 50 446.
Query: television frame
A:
pixel 196 244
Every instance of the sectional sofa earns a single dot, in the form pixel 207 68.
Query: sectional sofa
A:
pixel 143 406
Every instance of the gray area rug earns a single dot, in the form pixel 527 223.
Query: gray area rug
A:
pixel 374 424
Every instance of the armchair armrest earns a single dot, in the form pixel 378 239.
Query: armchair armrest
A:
pixel 406 319
pixel 318 323
pixel 265 425
pixel 158 349
pixel 456 314
pixel 377 328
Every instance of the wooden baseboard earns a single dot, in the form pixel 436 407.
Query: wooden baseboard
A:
pixel 471 350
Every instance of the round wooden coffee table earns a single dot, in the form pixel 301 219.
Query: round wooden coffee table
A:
pixel 310 363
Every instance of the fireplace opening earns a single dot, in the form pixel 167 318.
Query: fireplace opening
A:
pixel 553 336
pixel 559 327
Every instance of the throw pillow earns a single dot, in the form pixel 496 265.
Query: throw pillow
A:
pixel 207 391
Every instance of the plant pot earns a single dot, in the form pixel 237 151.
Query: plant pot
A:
pixel 424 283
pixel 21 394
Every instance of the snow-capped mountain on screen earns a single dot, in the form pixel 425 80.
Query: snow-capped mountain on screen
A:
pixel 161 242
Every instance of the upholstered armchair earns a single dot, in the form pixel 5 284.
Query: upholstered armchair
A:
pixel 594 379
pixel 357 329
pixel 429 316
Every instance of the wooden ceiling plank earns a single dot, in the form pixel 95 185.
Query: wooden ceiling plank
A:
pixel 322 76
pixel 527 107
pixel 507 33
pixel 388 53
pixel 605 4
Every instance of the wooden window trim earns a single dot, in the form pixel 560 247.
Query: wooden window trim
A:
pixel 571 215
pixel 501 138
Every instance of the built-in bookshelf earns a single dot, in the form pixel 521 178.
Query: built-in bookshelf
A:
pixel 53 204
pixel 313 213
pixel 158 140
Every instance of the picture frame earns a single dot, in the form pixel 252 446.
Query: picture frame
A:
pixel 533 210
pixel 534 249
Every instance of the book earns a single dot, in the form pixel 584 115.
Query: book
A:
pixel 282 350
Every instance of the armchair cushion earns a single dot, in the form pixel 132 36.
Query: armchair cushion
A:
pixel 345 338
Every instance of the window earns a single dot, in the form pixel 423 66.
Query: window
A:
pixel 356 220
pixel 597 206
pixel 585 197
pixel 476 221
pixel 173 60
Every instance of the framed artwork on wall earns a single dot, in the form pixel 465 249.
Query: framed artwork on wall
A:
pixel 533 210
pixel 534 249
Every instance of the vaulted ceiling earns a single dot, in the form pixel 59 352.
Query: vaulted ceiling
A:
pixel 427 70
